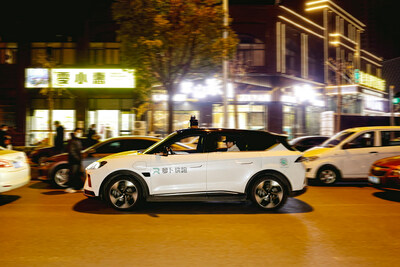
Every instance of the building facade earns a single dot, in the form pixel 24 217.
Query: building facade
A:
pixel 293 63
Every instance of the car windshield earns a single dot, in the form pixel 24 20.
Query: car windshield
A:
pixel 336 139
pixel 160 143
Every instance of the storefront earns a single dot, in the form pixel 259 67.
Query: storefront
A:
pixel 80 97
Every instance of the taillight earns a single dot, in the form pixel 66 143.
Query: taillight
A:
pixel 5 163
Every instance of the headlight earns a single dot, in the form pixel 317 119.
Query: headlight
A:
pixel 307 159
pixel 395 172
pixel 96 165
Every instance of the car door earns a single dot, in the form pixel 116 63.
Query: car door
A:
pixel 389 144
pixel 358 154
pixel 229 171
pixel 182 172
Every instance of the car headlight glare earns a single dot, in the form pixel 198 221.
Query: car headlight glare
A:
pixel 96 165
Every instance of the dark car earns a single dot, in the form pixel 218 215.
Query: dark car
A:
pixel 385 173
pixel 55 168
pixel 306 142
pixel 40 154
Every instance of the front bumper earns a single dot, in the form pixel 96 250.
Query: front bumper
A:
pixel 382 181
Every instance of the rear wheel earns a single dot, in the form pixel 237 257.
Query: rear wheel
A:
pixel 328 175
pixel 60 176
pixel 269 192
pixel 123 193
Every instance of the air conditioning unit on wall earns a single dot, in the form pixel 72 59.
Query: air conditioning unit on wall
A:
pixel 139 128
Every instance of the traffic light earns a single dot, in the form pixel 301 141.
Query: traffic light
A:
pixel 396 98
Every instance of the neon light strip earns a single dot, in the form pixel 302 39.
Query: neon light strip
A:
pixel 278 46
pixel 369 54
pixel 342 36
pixel 339 43
pixel 373 62
pixel 337 12
pixel 305 19
pixel 338 7
pixel 316 2
pixel 301 27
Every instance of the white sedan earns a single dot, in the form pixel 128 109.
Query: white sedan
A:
pixel 14 169
pixel 266 170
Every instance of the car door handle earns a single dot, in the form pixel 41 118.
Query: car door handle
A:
pixel 373 152
pixel 196 166
pixel 244 162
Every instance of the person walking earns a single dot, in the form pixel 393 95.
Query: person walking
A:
pixel 5 138
pixel 91 135
pixel 75 162
pixel 59 138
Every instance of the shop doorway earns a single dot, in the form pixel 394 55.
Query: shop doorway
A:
pixel 107 123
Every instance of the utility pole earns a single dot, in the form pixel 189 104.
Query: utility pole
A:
pixel 391 95
pixel 225 65
pixel 339 96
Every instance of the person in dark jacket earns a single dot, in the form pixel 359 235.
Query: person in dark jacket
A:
pixel 4 136
pixel 75 161
pixel 91 135
pixel 59 138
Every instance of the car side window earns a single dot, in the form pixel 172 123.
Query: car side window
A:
pixel 218 142
pixel 390 138
pixel 364 140
pixel 110 147
pixel 137 144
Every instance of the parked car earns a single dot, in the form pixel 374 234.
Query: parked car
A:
pixel 14 169
pixel 385 173
pixel 350 153
pixel 266 170
pixel 304 143
pixel 40 154
pixel 55 168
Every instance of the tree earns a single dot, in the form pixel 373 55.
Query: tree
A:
pixel 166 41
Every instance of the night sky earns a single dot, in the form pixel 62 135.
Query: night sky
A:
pixel 51 20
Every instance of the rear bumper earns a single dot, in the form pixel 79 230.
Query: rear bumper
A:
pixel 14 179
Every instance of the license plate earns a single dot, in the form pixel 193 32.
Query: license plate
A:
pixel 17 164
pixel 373 179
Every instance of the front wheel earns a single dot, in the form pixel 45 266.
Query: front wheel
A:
pixel 327 175
pixel 60 176
pixel 269 192
pixel 123 193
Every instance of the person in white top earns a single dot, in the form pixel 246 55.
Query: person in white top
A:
pixel 231 144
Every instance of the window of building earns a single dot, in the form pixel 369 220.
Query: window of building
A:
pixel 251 52
pixel 8 53
pixel 293 51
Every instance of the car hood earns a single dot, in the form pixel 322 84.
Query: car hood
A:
pixel 388 162
pixel 316 151
pixel 121 154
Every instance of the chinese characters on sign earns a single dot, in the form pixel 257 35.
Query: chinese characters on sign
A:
pixel 80 78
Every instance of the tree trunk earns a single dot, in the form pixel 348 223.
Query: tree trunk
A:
pixel 170 90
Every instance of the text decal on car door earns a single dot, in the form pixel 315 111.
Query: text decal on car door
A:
pixel 170 170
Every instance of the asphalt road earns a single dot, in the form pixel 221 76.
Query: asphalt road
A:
pixel 345 225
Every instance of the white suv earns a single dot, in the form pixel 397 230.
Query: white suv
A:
pixel 266 170
pixel 350 153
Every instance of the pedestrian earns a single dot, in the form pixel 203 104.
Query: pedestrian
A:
pixel 75 162
pixel 91 135
pixel 5 138
pixel 59 138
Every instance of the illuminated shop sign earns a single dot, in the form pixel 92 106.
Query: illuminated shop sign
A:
pixel 369 80
pixel 80 78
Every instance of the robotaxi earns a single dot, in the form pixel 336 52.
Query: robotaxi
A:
pixel 265 170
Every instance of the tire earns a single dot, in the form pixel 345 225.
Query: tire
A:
pixel 269 192
pixel 60 176
pixel 123 192
pixel 328 175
